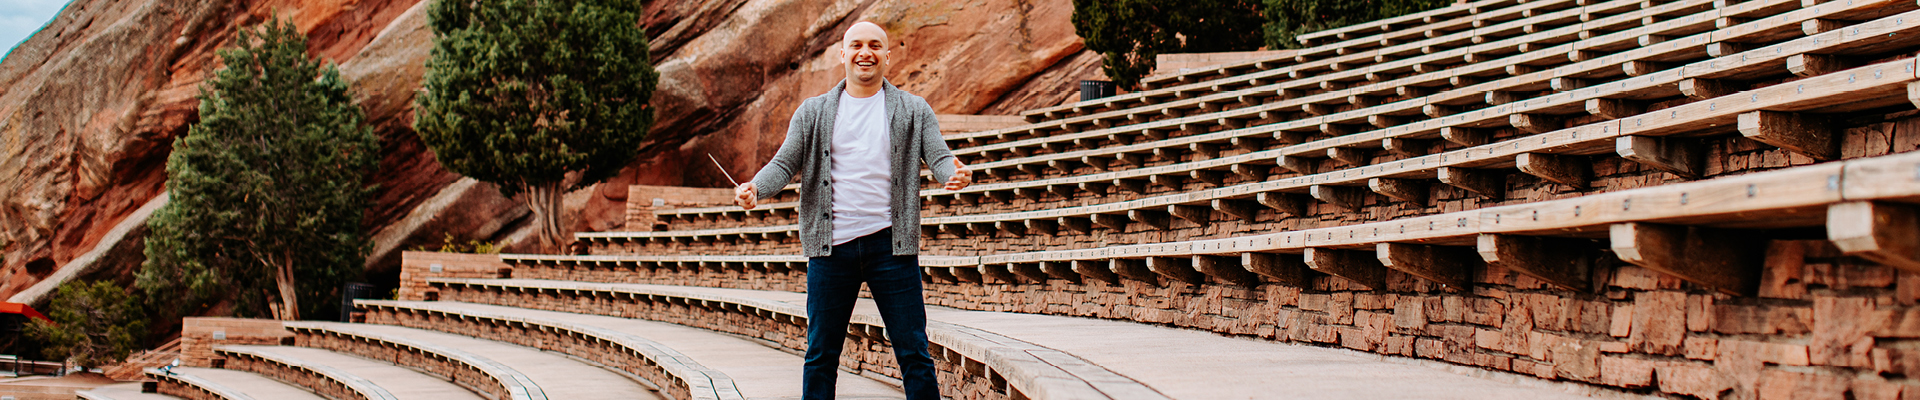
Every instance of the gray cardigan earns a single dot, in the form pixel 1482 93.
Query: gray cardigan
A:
pixel 807 153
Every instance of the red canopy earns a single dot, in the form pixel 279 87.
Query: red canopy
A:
pixel 22 309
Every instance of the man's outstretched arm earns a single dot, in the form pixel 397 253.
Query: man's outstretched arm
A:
pixel 780 169
pixel 940 158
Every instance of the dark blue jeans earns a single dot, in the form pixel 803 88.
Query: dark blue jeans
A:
pixel 833 283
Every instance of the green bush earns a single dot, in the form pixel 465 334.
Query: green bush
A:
pixel 1287 19
pixel 1130 33
pixel 94 324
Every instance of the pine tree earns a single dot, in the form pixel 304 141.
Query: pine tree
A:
pixel 1287 19
pixel 537 96
pixel 1130 33
pixel 96 324
pixel 267 191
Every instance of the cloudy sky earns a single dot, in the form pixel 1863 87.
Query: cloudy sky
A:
pixel 20 18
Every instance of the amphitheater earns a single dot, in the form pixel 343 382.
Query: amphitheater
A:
pixel 1498 199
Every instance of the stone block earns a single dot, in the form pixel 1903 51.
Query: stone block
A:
pixel 1699 348
pixel 1577 360
pixel 1410 313
pixel 1764 320
pixel 1659 322
pixel 1699 312
pixel 1787 385
pixel 1622 321
pixel 1626 372
pixel 1697 380
pixel 1766 352
pixel 1632 277
pixel 1781 274
pixel 1515 331
pixel 1840 331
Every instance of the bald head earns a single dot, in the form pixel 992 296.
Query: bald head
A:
pixel 863 51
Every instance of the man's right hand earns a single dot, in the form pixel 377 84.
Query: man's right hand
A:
pixel 745 196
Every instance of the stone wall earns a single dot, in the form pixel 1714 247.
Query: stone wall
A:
pixel 416 266
pixel 198 335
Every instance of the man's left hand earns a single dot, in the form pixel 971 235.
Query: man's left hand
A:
pixel 962 176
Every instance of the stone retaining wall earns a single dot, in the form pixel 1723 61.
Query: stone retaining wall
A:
pixel 198 335
pixel 416 266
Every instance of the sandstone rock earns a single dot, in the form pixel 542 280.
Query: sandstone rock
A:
pixel 87 145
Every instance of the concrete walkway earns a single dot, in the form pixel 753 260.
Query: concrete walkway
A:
pixel 759 371
pixel 1192 364
pixel 556 374
pixel 402 382
pixel 248 383
pixel 120 391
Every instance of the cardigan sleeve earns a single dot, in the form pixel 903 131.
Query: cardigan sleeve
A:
pixel 933 147
pixel 788 159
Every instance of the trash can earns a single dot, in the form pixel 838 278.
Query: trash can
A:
pixel 1092 90
pixel 354 290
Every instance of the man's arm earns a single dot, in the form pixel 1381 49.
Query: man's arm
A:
pixel 780 169
pixel 939 158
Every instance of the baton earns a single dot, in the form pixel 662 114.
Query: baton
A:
pixel 723 170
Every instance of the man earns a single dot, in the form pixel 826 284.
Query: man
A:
pixel 858 150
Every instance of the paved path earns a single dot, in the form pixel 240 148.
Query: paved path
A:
pixel 557 375
pixel 402 382
pixel 253 385
pixel 760 372
pixel 121 391
pixel 1192 364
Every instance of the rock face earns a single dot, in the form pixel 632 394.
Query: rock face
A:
pixel 90 106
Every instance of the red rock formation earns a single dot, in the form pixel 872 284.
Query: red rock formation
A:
pixel 90 106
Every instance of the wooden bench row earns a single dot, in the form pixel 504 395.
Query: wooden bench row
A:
pixel 679 376
pixel 1329 75
pixel 1433 24
pixel 1709 232
pixel 489 378
pixel 1396 116
pixel 1017 367
pixel 325 380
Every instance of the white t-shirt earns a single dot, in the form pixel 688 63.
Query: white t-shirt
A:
pixel 862 181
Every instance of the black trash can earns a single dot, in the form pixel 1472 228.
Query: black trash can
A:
pixel 354 290
pixel 1092 90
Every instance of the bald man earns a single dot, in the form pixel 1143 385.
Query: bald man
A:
pixel 857 150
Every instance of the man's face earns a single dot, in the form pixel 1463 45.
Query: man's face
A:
pixel 864 53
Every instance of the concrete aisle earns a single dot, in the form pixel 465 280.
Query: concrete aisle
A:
pixel 400 381
pixel 759 371
pixel 253 385
pixel 1192 364
pixel 121 391
pixel 556 374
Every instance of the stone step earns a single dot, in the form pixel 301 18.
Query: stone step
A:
pixel 333 372
pixel 1176 363
pixel 215 383
pixel 120 391
pixel 745 368
pixel 519 371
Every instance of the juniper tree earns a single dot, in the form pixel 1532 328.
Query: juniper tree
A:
pixel 1128 34
pixel 1287 19
pixel 268 190
pixel 95 323
pixel 538 97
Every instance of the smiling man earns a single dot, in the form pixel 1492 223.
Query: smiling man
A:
pixel 857 150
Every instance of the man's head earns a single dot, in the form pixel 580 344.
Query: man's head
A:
pixel 863 51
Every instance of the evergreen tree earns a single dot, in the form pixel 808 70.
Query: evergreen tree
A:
pixel 268 190
pixel 94 324
pixel 1130 33
pixel 537 96
pixel 1287 19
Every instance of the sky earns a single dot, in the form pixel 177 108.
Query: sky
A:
pixel 20 18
